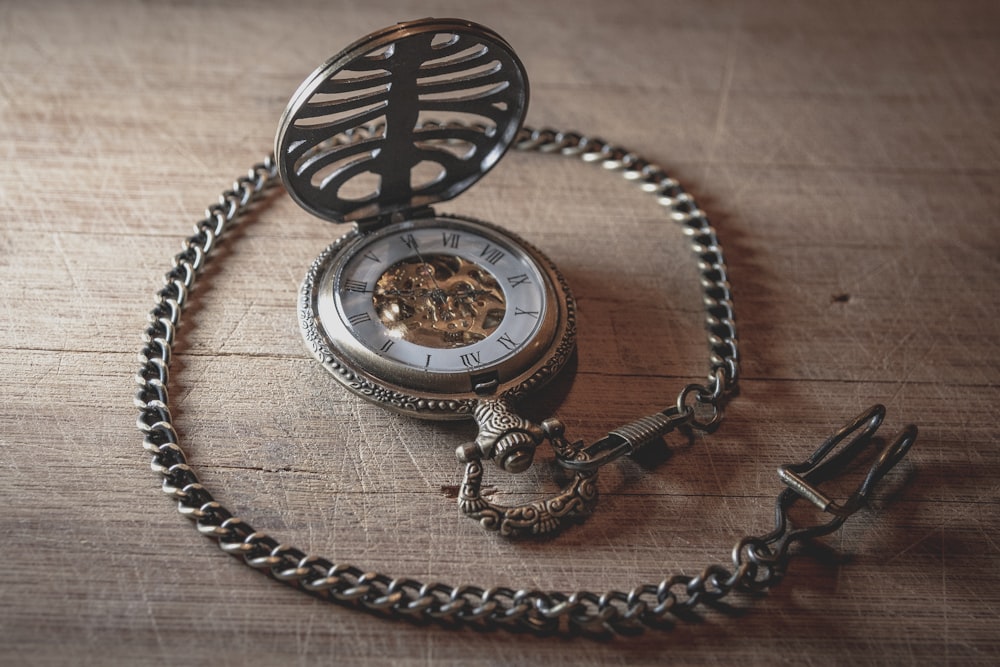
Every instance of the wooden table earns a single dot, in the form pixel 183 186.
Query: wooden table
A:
pixel 848 154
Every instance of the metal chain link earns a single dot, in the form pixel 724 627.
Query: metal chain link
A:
pixel 717 297
pixel 696 399
pixel 757 562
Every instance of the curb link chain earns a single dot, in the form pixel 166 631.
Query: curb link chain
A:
pixel 717 297
pixel 757 562
pixel 698 406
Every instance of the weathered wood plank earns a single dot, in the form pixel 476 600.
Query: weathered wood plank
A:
pixel 847 152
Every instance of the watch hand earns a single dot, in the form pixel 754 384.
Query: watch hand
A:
pixel 438 292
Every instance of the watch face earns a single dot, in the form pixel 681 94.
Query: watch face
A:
pixel 437 312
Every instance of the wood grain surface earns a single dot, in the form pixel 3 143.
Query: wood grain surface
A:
pixel 849 155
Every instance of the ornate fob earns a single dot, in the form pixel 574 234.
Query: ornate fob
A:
pixel 440 317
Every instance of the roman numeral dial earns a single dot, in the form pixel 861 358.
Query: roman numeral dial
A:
pixel 438 303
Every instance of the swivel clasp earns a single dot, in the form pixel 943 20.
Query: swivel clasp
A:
pixel 624 440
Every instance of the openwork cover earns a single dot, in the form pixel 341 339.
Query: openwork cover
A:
pixel 402 79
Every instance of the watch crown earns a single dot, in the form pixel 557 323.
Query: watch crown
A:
pixel 515 451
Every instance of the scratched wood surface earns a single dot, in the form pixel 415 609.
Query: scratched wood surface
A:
pixel 849 154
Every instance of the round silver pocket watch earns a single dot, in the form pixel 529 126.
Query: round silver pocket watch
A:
pixel 435 316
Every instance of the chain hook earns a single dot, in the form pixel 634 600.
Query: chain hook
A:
pixel 828 462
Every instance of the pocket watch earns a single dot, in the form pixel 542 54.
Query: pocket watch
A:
pixel 434 316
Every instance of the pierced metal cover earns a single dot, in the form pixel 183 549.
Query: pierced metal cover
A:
pixel 402 79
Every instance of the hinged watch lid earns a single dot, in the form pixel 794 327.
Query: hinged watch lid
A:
pixel 362 137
